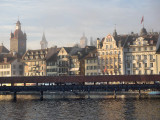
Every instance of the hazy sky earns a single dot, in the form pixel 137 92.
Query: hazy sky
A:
pixel 64 21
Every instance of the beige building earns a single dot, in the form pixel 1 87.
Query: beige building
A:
pixel 35 61
pixel 110 54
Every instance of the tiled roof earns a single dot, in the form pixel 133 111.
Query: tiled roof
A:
pixel 3 49
pixel 10 58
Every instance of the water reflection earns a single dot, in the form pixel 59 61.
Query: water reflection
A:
pixel 72 107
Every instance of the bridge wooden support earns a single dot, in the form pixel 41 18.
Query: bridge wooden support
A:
pixel 115 93
pixel 41 95
pixel 139 91
pixel 15 95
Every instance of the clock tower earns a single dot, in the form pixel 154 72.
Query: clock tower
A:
pixel 18 40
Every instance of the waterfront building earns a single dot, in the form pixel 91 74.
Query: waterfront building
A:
pixel 18 40
pixel 140 54
pixel 63 61
pixel 52 64
pixel 44 43
pixel 91 63
pixel 158 55
pixel 10 65
pixel 83 41
pixel 110 54
pixel 35 61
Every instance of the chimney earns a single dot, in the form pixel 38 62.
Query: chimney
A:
pixel 5 60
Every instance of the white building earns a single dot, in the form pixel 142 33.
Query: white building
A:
pixel 10 66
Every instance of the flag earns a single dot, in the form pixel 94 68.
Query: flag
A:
pixel 142 19
pixel 105 69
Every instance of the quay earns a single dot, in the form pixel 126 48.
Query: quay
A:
pixel 80 83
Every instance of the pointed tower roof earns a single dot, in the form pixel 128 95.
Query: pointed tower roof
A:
pixel 44 38
pixel 115 32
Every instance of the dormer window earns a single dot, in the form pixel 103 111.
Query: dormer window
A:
pixel 26 57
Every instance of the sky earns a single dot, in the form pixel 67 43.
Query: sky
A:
pixel 65 21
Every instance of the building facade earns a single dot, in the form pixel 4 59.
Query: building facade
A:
pixel 140 54
pixel 35 62
pixel 10 66
pixel 110 55
pixel 91 63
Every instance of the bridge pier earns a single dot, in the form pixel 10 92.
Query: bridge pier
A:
pixel 139 91
pixel 15 95
pixel 115 93
pixel 41 95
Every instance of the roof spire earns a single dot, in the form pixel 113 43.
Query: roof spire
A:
pixel 115 32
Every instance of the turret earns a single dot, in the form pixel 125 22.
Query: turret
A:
pixel 18 25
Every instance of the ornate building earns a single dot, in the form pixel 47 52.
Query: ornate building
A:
pixel 18 40
pixel 44 43
pixel 110 54
pixel 140 54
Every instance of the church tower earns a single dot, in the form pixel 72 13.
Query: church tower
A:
pixel 44 43
pixel 83 41
pixel 18 40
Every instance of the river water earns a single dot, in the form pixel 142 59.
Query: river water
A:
pixel 84 107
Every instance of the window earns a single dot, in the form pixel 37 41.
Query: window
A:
pixel 139 64
pixel 145 57
pixel 151 57
pixel 139 49
pixel 151 64
pixel 14 72
pixel 134 72
pixel 133 57
pixel 145 64
pixel 151 48
pixel 145 72
pixel 134 65
pixel 20 66
pixel 134 49
pixel 145 48
pixel 151 71
pixel 128 65
pixel 106 46
pixel 128 72
pixel 139 72
pixel 111 46
pixel 14 66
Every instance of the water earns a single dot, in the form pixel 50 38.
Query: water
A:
pixel 71 107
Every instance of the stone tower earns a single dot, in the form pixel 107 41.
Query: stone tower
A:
pixel 18 40
pixel 44 43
